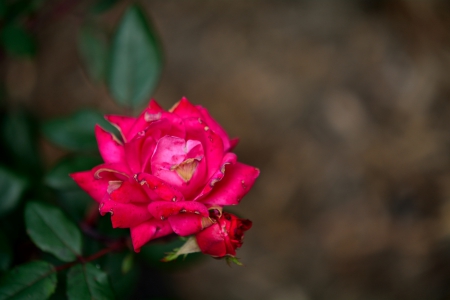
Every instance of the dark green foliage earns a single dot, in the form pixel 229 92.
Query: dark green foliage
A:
pixel 35 280
pixel 52 232
pixel 135 60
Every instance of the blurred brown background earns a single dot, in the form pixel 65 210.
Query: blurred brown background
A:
pixel 345 108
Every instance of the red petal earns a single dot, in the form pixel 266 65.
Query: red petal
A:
pixel 163 209
pixel 212 242
pixel 129 192
pixel 125 215
pixel 147 231
pixel 211 142
pixel 185 109
pixel 122 123
pixel 216 128
pixel 238 180
pixel 150 114
pixel 110 148
pixel 186 224
pixel 229 158
pixel 154 186
pixel 112 171
pixel 96 188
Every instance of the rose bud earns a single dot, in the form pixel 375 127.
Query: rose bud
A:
pixel 224 236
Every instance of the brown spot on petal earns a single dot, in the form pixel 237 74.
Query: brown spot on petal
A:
pixel 174 106
pixel 113 185
pixel 148 117
pixel 206 222
pixel 186 169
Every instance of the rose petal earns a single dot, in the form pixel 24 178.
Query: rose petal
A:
pixel 125 215
pixel 122 123
pixel 211 142
pixel 238 180
pixel 150 114
pixel 163 209
pixel 110 148
pixel 212 242
pixel 233 143
pixel 180 163
pixel 185 109
pixel 157 189
pixel 229 158
pixel 147 231
pixel 186 224
pixel 129 191
pixel 96 188
pixel 214 126
pixel 112 171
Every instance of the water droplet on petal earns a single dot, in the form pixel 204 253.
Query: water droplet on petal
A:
pixel 182 210
pixel 174 199
pixel 196 212
pixel 206 128
pixel 162 218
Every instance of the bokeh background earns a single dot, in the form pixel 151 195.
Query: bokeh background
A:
pixel 343 105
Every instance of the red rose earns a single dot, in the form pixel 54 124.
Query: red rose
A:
pixel 165 173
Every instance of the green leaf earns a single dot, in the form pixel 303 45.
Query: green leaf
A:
pixel 76 132
pixel 58 177
pixel 17 41
pixel 135 60
pixel 85 281
pixel 153 254
pixel 93 49
pixel 52 231
pixel 34 280
pixel 11 189
pixel 190 246
pixel 5 252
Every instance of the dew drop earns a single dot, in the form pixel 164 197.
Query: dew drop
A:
pixel 196 212
pixel 174 199
pixel 183 210
pixel 206 128
pixel 162 218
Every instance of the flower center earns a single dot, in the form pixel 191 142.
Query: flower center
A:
pixel 186 168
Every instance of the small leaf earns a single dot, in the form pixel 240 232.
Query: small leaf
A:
pixel 52 231
pixel 92 46
pixel 11 189
pixel 232 259
pixel 58 177
pixel 76 132
pixel 5 252
pixel 17 41
pixel 85 281
pixel 135 60
pixel 34 280
pixel 190 246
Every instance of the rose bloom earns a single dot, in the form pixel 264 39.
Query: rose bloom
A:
pixel 167 173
